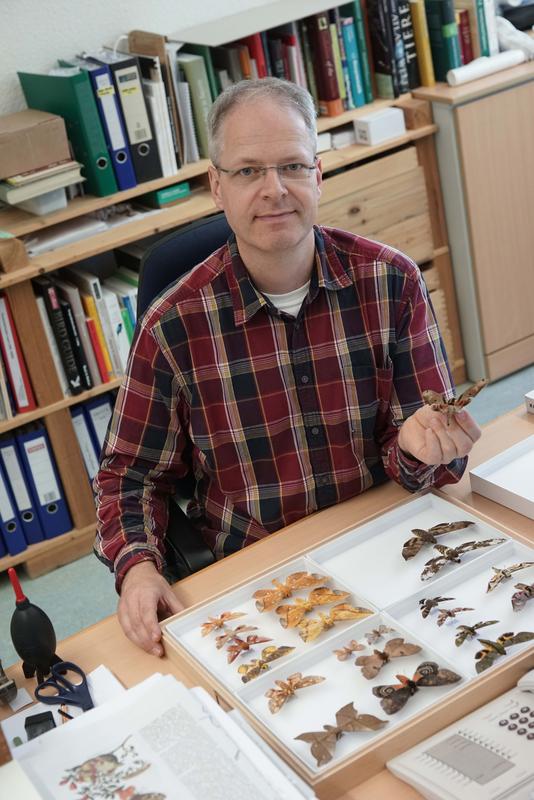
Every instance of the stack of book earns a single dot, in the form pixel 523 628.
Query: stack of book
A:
pixel 41 191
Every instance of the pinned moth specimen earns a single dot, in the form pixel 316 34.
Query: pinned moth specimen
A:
pixel 524 593
pixel 470 631
pixel 395 648
pixel 228 635
pixel 239 646
pixel 395 697
pixel 323 743
pixel 377 633
pixel 491 651
pixel 267 599
pixel 310 629
pixel 449 613
pixel 286 689
pixel 504 573
pixel 254 668
pixel 218 623
pixel 291 615
pixel 438 402
pixel 345 652
pixel 422 537
pixel 452 555
pixel 426 604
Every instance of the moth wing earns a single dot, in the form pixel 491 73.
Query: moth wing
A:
pixel 411 547
pixel 322 745
pixel 522 636
pixel 301 580
pixel 392 698
pixel 310 629
pixel 486 661
pixel 461 636
pixel 396 648
pixel 346 611
pixel 439 678
pixel 323 595
pixel 275 652
pixel 371 665
pixel 433 566
pixel 277 698
pixel 430 397
pixel 468 395
pixel 347 718
pixel 290 616
pixel 266 599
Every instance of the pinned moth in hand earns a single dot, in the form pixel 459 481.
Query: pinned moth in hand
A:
pixel 345 652
pixel 239 646
pixel 267 599
pixel 377 633
pixel 491 651
pixel 310 629
pixel 288 687
pixel 470 631
pixel 228 635
pixel 218 623
pixel 449 613
pixel 254 668
pixel 426 604
pixel 438 402
pixel 291 615
pixel 504 573
pixel 525 592
pixel 323 743
pixel 395 648
pixel 452 555
pixel 428 674
pixel 423 537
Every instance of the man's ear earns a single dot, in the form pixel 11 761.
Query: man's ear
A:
pixel 215 186
pixel 319 176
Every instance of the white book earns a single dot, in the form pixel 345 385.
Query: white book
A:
pixel 52 343
pixel 71 293
pixel 224 79
pixel 491 27
pixel 86 443
pixel 18 386
pixel 126 292
pixel 183 101
pixel 162 127
pixel 5 403
pixel 117 325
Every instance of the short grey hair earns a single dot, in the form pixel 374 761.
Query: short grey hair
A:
pixel 281 91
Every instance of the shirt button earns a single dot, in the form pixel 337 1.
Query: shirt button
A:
pixel 315 430
pixel 304 379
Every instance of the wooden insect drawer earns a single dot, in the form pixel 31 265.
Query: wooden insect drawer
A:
pixel 312 650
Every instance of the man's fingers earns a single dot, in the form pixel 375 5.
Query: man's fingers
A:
pixel 171 603
pixel 138 619
pixel 465 421
pixel 447 443
pixel 433 454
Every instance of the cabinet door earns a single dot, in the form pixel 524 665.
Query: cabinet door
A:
pixel 496 145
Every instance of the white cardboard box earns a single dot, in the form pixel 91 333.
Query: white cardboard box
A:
pixel 507 478
pixel 529 401
pixel 380 126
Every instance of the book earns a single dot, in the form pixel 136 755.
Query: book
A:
pixel 398 48
pixel 52 343
pixel 68 291
pixel 195 72
pixel 97 345
pixel 408 38
pixel 422 42
pixel 168 196
pixel 205 51
pixel 491 27
pixel 443 34
pixel 355 10
pixel 76 344
pixel 340 60
pixel 308 61
pixel 182 94
pixel 16 194
pixel 383 49
pixel 477 25
pixel 353 61
pixel 330 103
pixel 91 297
pixel 44 172
pixel 7 407
pixel 13 359
pixel 464 34
pixel 255 48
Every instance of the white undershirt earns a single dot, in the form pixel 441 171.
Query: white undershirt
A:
pixel 290 302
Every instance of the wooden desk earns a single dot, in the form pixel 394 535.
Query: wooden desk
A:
pixel 104 643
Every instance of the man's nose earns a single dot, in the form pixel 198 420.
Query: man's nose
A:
pixel 272 184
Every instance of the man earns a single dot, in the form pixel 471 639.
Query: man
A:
pixel 285 372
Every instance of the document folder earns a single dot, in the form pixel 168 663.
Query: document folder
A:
pixel 10 526
pixel 31 526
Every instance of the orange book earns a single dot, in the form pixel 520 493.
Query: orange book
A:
pixel 90 309
pixel 99 355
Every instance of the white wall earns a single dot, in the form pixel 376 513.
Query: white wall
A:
pixel 34 33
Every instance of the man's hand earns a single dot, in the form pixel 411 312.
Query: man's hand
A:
pixel 144 592
pixel 426 436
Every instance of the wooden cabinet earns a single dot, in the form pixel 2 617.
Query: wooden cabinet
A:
pixel 485 147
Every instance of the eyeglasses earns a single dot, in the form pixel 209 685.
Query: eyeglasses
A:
pixel 286 172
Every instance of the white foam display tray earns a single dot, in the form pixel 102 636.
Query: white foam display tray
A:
pixel 508 478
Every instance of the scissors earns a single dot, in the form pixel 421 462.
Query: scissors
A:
pixel 66 691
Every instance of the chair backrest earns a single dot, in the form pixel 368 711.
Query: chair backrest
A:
pixel 175 254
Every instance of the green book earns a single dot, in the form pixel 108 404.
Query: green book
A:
pixel 443 35
pixel 71 97
pixel 160 198
pixel 355 10
pixel 482 28
pixel 128 327
pixel 204 51
pixel 194 69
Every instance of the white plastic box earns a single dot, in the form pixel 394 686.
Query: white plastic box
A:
pixel 529 401
pixel 380 126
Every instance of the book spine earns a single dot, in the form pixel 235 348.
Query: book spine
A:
pixel 330 103
pixel 422 42
pixel 410 51
pixel 464 33
pixel 338 63
pixel 255 47
pixel 381 45
pixel 482 28
pixel 59 327
pixel 56 358
pixel 308 61
pixel 398 48
pixel 435 34
pixel 97 349
pixel 90 309
pixel 491 27
pixel 14 360
pixel 277 57
pixel 353 62
pixel 363 50
pixel 76 344
pixel 449 31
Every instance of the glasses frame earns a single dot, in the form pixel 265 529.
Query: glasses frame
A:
pixel 262 171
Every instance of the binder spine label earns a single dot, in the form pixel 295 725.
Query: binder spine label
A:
pixel 6 509
pixel 42 470
pixel 16 479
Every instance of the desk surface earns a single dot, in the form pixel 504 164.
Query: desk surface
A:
pixel 104 643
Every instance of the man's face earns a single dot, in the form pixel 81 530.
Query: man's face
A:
pixel 270 214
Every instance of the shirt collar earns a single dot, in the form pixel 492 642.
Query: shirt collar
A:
pixel 330 273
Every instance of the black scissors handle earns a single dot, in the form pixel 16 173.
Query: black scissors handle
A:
pixel 73 694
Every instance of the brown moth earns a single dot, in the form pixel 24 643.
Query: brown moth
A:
pixel 450 555
pixel 504 573
pixel 288 687
pixel 267 599
pixel 228 635
pixel 438 402
pixel 423 537
pixel 291 615
pixel 395 697
pixel 217 623
pixel 310 629
pixel 525 592
pixel 470 631
pixel 426 604
pixel 323 743
pixel 239 646
pixel 377 633
pixel 491 651
pixel 395 648
pixel 449 613
pixel 254 668
pixel 345 652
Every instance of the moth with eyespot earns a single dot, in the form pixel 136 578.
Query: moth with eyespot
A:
pixel 287 688
pixel 525 592
pixel 291 614
pixel 449 613
pixel 423 537
pixel 217 623
pixel 323 743
pixel 492 650
pixel 438 402
pixel 504 573
pixel 267 599
pixel 395 648
pixel 452 555
pixel 428 674
pixel 426 604
pixel 470 631
pixel 254 668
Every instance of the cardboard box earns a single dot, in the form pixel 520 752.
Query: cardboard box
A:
pixel 31 139
pixel 380 126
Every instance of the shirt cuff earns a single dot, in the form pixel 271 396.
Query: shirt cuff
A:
pixel 412 466
pixel 129 556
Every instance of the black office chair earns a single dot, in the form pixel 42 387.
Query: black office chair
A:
pixel 161 265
